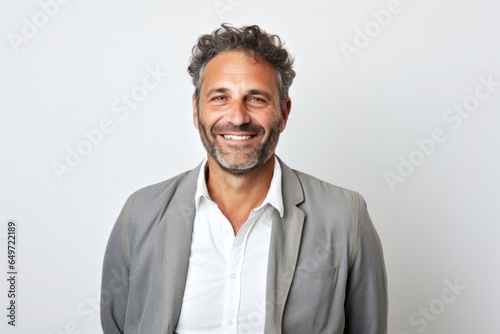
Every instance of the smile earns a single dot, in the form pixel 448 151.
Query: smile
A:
pixel 234 137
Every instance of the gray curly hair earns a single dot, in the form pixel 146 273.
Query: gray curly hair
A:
pixel 251 40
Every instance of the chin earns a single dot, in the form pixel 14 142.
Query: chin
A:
pixel 246 167
pixel 239 169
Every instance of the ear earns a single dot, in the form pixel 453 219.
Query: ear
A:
pixel 195 111
pixel 285 113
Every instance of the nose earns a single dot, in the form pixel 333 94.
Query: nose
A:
pixel 237 113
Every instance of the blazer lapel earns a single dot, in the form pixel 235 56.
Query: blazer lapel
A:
pixel 179 228
pixel 286 234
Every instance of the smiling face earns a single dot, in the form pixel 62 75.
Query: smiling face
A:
pixel 239 118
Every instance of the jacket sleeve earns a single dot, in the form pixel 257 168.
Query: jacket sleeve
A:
pixel 366 296
pixel 115 275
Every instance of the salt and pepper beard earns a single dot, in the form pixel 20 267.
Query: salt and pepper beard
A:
pixel 257 158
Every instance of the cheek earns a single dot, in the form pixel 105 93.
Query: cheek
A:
pixel 209 115
pixel 209 120
pixel 277 122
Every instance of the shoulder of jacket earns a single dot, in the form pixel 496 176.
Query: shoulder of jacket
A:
pixel 156 196
pixel 162 186
pixel 311 182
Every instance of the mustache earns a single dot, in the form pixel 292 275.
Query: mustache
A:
pixel 228 127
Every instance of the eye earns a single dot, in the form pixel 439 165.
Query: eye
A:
pixel 219 100
pixel 257 102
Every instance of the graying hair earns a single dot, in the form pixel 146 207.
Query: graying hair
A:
pixel 252 41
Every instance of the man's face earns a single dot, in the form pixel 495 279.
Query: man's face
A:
pixel 239 117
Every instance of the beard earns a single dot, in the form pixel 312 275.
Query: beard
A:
pixel 238 160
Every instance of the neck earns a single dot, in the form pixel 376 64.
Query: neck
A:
pixel 237 194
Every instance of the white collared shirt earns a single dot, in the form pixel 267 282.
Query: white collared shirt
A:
pixel 226 282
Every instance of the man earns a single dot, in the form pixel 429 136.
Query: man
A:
pixel 243 243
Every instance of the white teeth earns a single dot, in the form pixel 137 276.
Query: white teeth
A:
pixel 237 137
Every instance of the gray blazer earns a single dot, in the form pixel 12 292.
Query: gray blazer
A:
pixel 325 273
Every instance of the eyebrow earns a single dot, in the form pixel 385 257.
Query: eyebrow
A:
pixel 250 92
pixel 217 90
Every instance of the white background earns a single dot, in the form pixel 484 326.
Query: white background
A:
pixel 353 117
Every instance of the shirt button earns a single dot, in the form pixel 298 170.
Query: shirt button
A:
pixel 229 322
pixel 233 276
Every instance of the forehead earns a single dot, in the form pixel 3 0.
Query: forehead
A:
pixel 237 69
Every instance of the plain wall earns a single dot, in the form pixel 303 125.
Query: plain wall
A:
pixel 391 99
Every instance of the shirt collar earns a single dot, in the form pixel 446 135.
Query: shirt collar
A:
pixel 274 195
